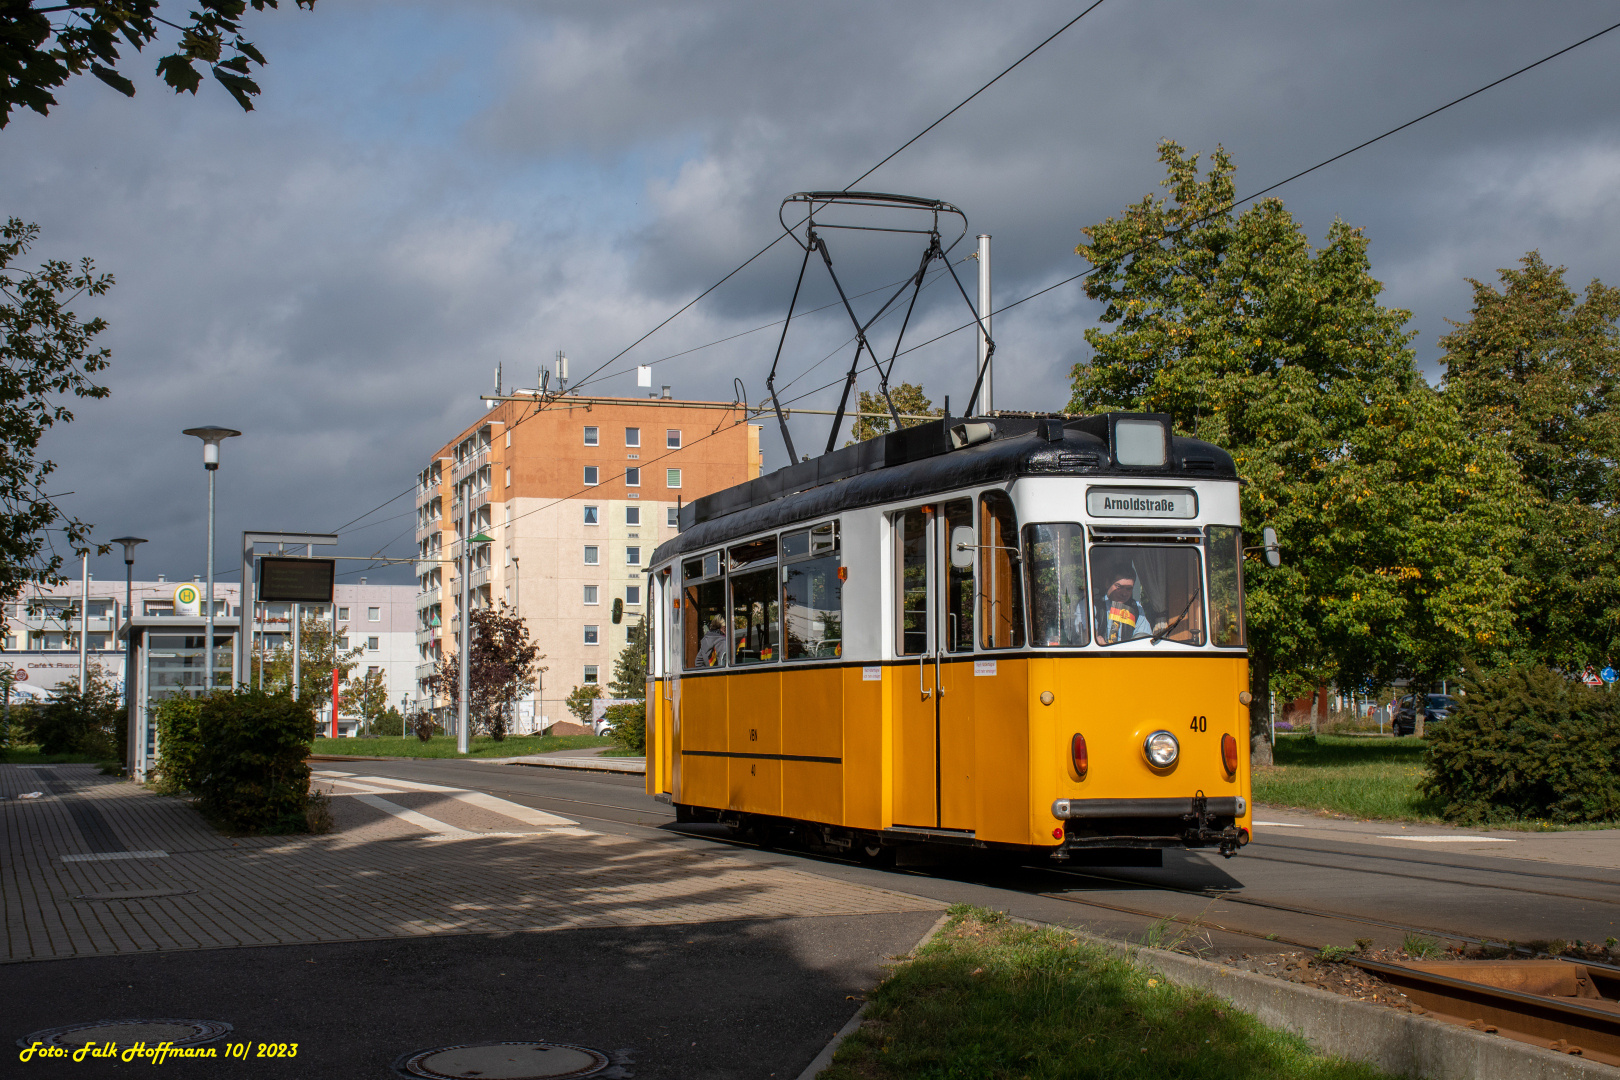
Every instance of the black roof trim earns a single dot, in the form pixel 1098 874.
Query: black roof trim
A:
pixel 916 462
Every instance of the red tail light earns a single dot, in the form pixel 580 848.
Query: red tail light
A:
pixel 1229 749
pixel 1077 748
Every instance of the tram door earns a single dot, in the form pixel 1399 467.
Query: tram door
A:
pixel 933 716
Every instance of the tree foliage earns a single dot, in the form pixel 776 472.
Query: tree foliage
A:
pixel 319 649
pixel 1394 516
pixel 1538 367
pixel 579 701
pixel 504 665
pixel 367 698
pixel 75 721
pixel 46 354
pixel 909 400
pixel 39 54
pixel 630 666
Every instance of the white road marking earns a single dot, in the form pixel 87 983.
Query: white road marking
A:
pixel 1279 825
pixel 1454 839
pixel 525 814
pixel 110 856
pixel 421 821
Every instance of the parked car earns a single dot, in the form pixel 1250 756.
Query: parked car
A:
pixel 601 726
pixel 1438 706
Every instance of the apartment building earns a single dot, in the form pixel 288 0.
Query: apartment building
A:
pixel 575 493
pixel 41 628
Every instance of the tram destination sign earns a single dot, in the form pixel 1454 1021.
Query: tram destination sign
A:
pixel 296 581
pixel 1141 502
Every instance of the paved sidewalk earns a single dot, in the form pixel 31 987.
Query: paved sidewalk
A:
pixel 97 865
pixel 1570 847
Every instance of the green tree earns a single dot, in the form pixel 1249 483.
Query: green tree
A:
pixel 37 54
pixel 505 664
pixel 75 722
pixel 1539 367
pixel 46 354
pixel 630 666
pixel 367 697
pixel 909 401
pixel 319 649
pixel 1395 517
pixel 579 701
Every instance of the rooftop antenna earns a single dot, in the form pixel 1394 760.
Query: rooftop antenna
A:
pixel 562 372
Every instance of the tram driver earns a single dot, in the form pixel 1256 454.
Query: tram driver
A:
pixel 1120 615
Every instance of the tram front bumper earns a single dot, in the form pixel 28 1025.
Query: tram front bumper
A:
pixel 1152 823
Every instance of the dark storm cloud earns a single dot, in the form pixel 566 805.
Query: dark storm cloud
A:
pixel 425 192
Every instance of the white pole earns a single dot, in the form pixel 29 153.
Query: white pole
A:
pixel 84 618
pixel 466 616
pixel 208 644
pixel 987 391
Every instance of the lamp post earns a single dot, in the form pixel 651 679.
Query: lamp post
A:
pixel 131 735
pixel 211 438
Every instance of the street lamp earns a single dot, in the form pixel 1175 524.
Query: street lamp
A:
pixel 462 739
pixel 211 438
pixel 131 735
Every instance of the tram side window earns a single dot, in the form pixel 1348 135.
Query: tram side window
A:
pixel 812 594
pixel 1225 543
pixel 1057 585
pixel 754 608
pixel 911 540
pixel 1146 591
pixel 703 607
pixel 1001 596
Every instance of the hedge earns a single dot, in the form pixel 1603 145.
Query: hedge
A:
pixel 629 728
pixel 1527 744
pixel 241 753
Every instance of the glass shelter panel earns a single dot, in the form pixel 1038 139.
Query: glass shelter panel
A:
pixel 1145 591
pixel 1057 585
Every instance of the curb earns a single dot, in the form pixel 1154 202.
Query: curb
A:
pixel 824 1059
pixel 583 764
pixel 1397 1042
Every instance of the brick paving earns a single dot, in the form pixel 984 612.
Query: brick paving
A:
pixel 153 875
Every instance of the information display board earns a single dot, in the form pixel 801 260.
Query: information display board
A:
pixel 296 581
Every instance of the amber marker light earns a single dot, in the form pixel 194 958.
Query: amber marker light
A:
pixel 1229 749
pixel 1077 750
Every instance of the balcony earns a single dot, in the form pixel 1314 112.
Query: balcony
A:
pixel 423 671
pixel 470 465
pixel 426 635
pixel 479 577
pixel 54 624
pixel 427 598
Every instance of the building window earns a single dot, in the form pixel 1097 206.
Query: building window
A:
pixel 632 478
pixel 674 517
pixel 343 614
pixel 11 641
pixel 591 473
pixel 509 476
pixel 590 674
pixel 373 614
pixel 591 436
pixel 590 634
pixel 343 644
pixel 590 515
pixel 672 478
pixel 372 645
pixel 590 594
pixel 672 439
pixel 632 515
pixel 592 557
pixel 632 436
pixel 632 594
pixel 632 556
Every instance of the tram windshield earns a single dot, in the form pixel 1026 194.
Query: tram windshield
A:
pixel 1146 592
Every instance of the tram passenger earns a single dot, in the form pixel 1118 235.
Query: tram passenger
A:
pixel 713 643
pixel 1120 616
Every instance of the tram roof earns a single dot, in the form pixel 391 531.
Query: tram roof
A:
pixel 943 455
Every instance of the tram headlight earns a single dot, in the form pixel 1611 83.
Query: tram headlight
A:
pixel 1161 749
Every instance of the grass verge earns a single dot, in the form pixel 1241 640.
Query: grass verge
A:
pixel 990 998
pixel 1361 777
pixel 444 746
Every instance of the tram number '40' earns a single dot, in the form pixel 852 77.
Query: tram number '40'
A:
pixel 1199 723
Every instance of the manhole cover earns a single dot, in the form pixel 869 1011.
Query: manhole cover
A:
pixel 129 1032
pixel 509 1061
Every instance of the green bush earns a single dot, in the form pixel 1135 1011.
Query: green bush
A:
pixel 389 723
pixel 1527 744
pixel 248 767
pixel 629 728
pixel 71 722
pixel 177 744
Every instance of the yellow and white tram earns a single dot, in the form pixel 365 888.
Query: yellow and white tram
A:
pixel 1022 633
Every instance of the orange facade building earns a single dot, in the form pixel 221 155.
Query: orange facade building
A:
pixel 575 493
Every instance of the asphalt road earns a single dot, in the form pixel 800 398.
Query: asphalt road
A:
pixel 1292 890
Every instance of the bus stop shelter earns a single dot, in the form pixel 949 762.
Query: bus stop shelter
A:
pixel 169 661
